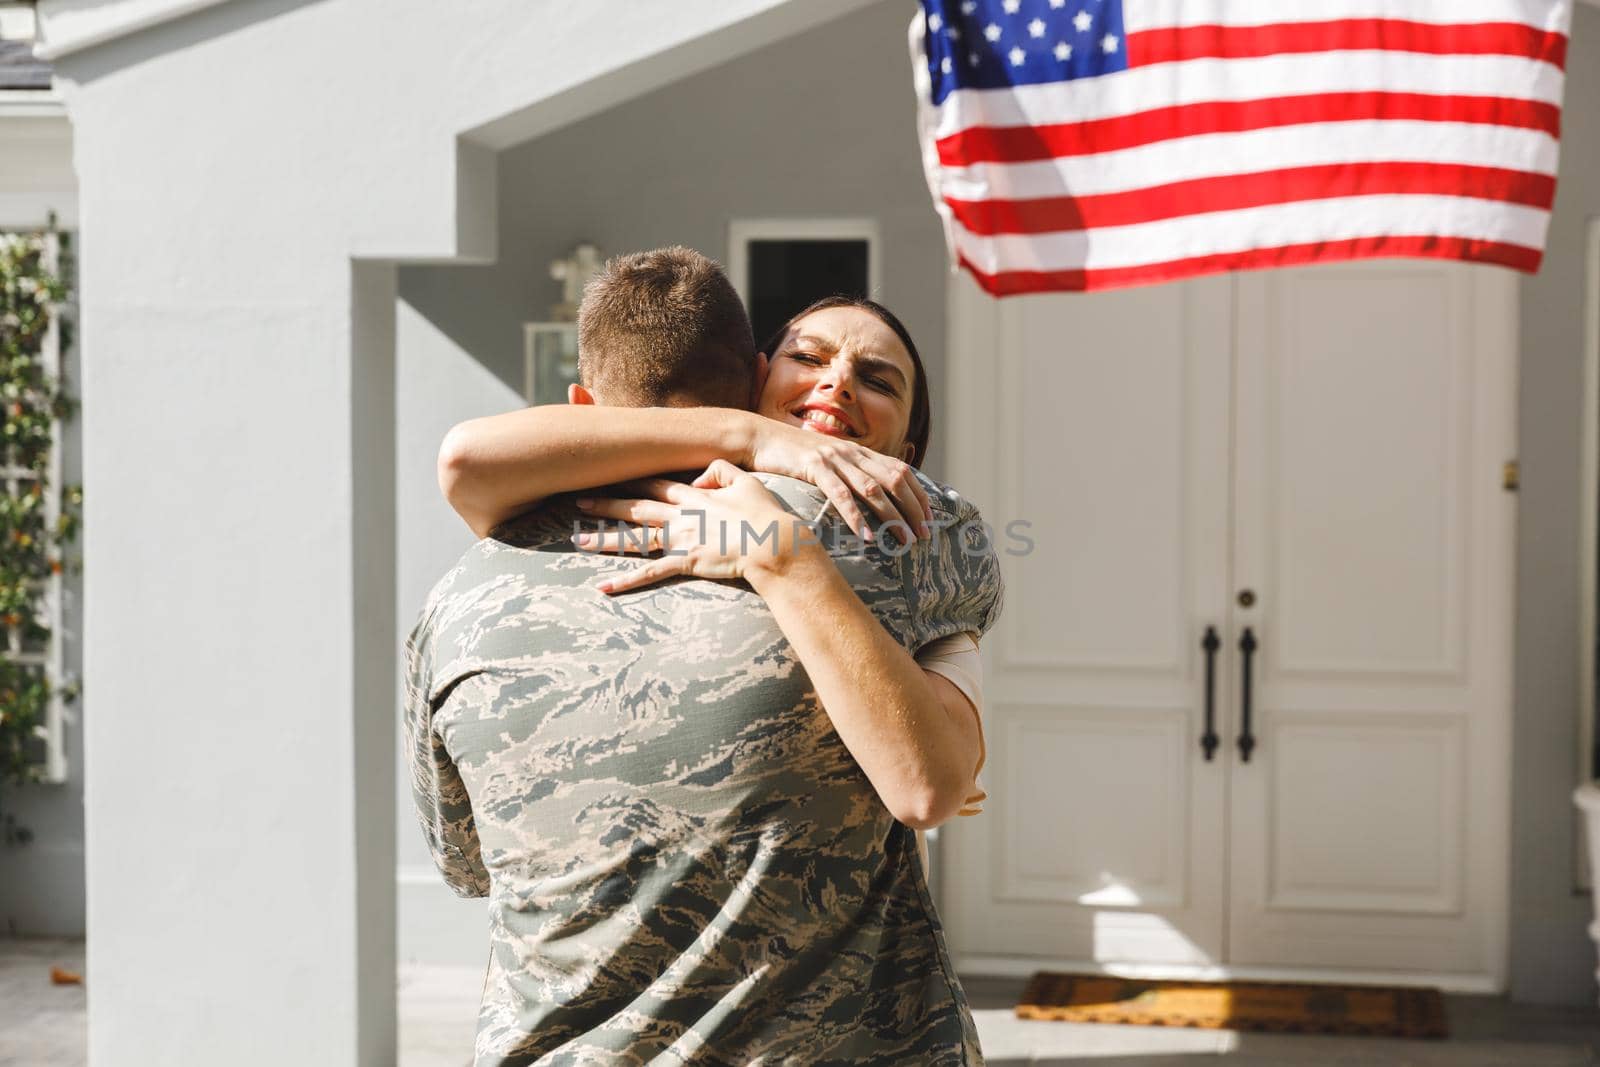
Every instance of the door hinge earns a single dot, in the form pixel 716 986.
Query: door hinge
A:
pixel 1509 477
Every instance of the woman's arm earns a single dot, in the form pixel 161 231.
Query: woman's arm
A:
pixel 498 466
pixel 913 732
pixel 495 467
pixel 503 464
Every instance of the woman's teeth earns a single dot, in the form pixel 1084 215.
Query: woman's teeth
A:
pixel 822 418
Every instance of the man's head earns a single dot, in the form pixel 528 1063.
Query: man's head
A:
pixel 664 329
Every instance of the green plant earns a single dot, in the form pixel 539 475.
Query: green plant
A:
pixel 33 293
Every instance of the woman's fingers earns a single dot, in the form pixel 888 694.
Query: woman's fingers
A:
pixel 908 474
pixel 890 490
pixel 719 475
pixel 649 574
pixel 908 494
pixel 660 489
pixel 886 508
pixel 889 487
pixel 843 500
pixel 640 539
pixel 652 512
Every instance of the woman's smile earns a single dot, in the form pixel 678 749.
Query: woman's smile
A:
pixel 825 418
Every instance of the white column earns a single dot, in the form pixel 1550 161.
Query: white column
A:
pixel 239 616
pixel 238 545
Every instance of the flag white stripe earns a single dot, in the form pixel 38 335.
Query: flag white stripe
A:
pixel 1215 155
pixel 1152 14
pixel 1197 81
pixel 1272 226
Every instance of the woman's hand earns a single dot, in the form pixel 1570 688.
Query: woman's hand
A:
pixel 725 525
pixel 844 470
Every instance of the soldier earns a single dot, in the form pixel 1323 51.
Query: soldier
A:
pixel 691 802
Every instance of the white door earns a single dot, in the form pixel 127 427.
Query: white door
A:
pixel 1102 423
pixel 1313 455
pixel 1375 411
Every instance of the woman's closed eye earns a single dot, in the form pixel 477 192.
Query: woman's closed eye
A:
pixel 883 385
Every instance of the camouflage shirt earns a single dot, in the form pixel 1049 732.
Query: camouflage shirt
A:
pixel 684 863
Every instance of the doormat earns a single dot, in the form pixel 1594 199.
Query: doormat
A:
pixel 1280 1007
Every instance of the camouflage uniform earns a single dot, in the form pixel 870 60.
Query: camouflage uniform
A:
pixel 684 863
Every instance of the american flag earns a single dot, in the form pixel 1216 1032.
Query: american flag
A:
pixel 1094 144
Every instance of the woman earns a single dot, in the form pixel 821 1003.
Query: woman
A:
pixel 842 402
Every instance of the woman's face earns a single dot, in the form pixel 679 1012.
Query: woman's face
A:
pixel 842 372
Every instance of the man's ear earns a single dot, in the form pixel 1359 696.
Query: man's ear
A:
pixel 760 383
pixel 577 394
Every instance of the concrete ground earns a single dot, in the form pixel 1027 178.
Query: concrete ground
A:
pixel 42 1025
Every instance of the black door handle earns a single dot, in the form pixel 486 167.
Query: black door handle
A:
pixel 1209 740
pixel 1247 648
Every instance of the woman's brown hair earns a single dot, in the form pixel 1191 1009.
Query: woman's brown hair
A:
pixel 920 427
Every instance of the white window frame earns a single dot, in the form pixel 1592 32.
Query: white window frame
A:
pixel 1589 539
pixel 531 330
pixel 742 231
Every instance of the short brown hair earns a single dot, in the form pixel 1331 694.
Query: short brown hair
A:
pixel 663 327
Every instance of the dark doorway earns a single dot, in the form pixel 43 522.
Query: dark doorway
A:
pixel 787 274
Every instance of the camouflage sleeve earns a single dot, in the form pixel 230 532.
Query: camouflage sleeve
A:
pixel 437 792
pixel 952 581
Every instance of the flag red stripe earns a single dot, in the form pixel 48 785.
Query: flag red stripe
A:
pixel 1173 44
pixel 1230 192
pixel 1010 283
pixel 1021 144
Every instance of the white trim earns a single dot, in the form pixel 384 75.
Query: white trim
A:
pixel 742 231
pixel 18 22
pixel 55 769
pixel 68 26
pixel 1023 967
pixel 36 144
pixel 1589 539
pixel 32 104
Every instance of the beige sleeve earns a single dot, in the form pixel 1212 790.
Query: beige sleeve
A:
pixel 956 659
